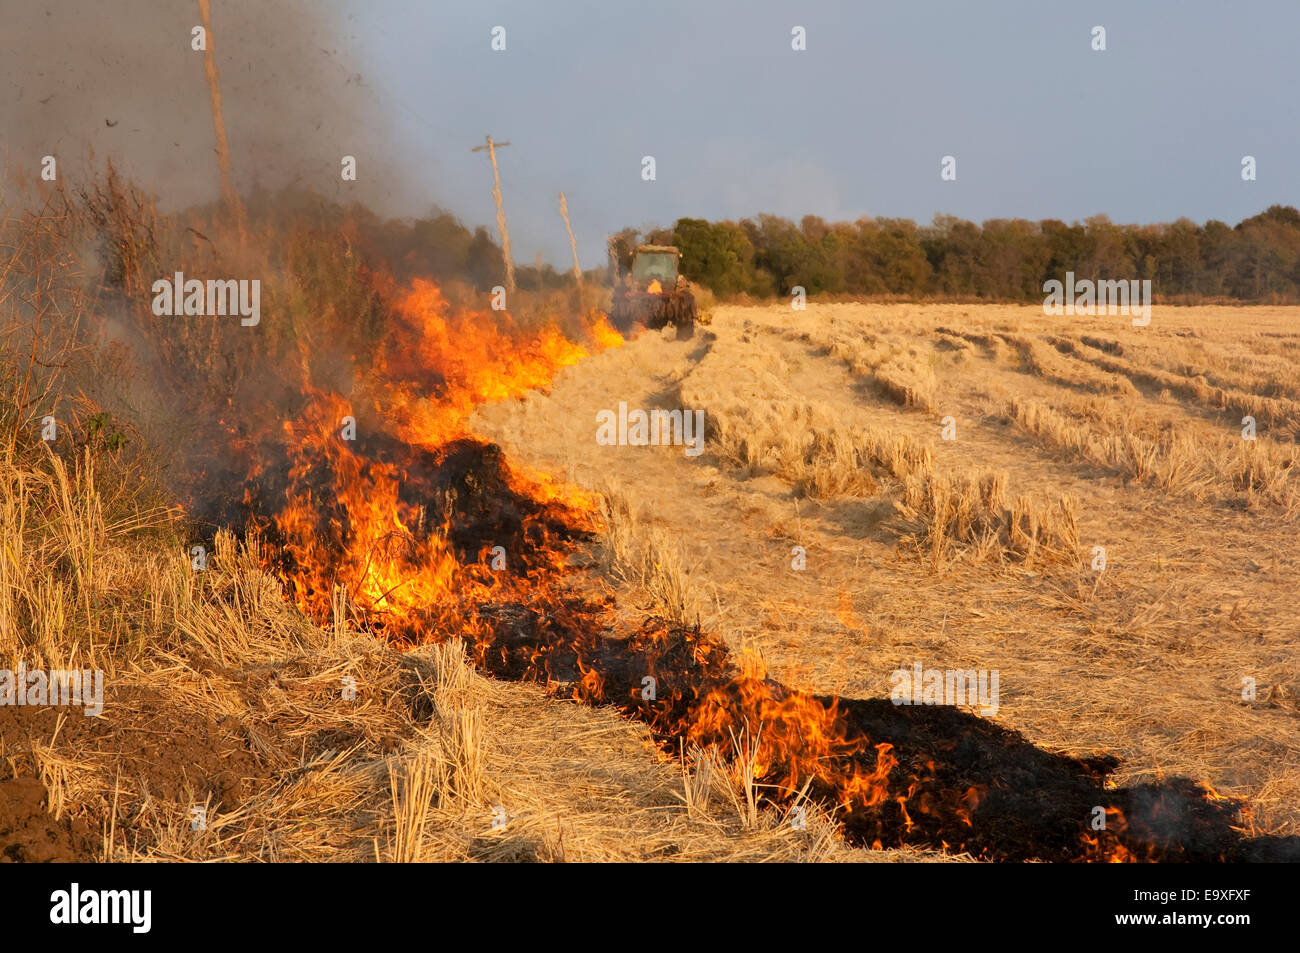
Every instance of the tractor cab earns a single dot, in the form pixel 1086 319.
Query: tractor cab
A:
pixel 655 263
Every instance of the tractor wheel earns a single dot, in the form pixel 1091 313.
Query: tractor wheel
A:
pixel 684 317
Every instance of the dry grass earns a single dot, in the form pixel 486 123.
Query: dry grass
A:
pixel 222 697
pixel 1278 414
pixel 418 767
pixel 1172 458
pixel 1142 654
pixel 69 578
pixel 902 372
pixel 1040 359
pixel 1261 473
pixel 808 447
pixel 971 515
pixel 1166 459
pixel 235 729
pixel 759 425
pixel 642 556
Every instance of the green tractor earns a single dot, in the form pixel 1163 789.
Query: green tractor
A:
pixel 654 293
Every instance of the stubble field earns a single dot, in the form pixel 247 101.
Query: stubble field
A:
pixel 827 432
pixel 881 487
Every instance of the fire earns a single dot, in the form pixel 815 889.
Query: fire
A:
pixel 433 535
pixel 604 334
pixel 803 739
pixel 1106 846
pixel 385 493
pixel 369 513
pixel 654 287
pixel 438 366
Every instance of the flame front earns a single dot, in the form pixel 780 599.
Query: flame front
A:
pixel 433 536
pixel 385 492
pixel 373 511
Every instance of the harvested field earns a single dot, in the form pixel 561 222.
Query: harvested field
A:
pixel 978 553
pixel 854 583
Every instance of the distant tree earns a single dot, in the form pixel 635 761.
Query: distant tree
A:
pixel 952 247
pixel 1271 253
pixel 1179 268
pixel 718 256
pixel 1110 254
pixel 1219 254
pixel 1011 260
pixel 899 257
pixel 779 249
pixel 821 266
pixel 1003 259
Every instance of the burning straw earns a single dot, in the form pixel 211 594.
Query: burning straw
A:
pixel 436 538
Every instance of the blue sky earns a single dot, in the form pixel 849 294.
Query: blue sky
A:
pixel 1041 125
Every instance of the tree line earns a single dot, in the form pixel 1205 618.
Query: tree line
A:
pixel 1256 260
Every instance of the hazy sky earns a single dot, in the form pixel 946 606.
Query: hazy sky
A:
pixel 1041 125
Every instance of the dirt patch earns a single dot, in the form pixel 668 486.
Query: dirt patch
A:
pixel 30 834
pixel 143 745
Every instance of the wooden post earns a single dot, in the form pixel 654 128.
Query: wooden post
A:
pixel 573 243
pixel 233 205
pixel 492 148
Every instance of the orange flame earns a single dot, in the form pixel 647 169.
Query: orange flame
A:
pixel 433 536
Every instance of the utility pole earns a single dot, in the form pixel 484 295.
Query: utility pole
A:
pixel 492 148
pixel 573 244
pixel 233 205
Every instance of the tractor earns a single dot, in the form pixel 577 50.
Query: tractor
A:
pixel 654 294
